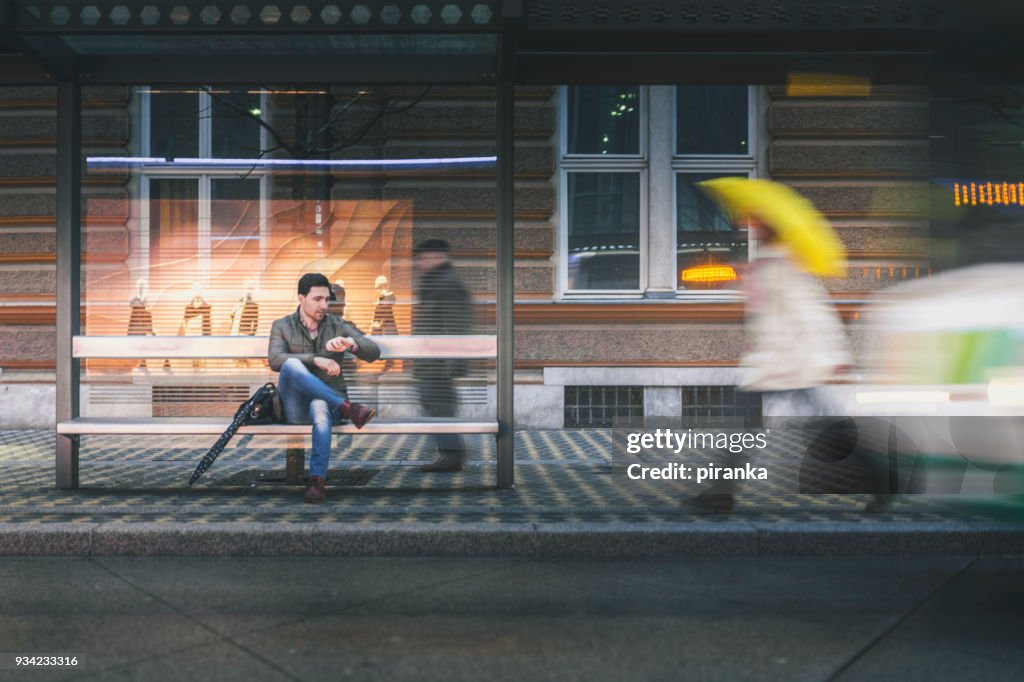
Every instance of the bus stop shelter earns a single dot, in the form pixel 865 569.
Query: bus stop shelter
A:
pixel 499 43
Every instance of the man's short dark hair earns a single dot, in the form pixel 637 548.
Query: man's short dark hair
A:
pixel 310 280
pixel 431 245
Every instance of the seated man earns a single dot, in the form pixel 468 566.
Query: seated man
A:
pixel 306 347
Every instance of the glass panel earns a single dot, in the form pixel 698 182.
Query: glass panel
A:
pixel 235 238
pixel 712 119
pixel 235 217
pixel 235 135
pixel 604 231
pixel 174 127
pixel 174 227
pixel 218 248
pixel 604 120
pixel 709 247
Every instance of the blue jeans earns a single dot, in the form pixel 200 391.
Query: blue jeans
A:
pixel 308 400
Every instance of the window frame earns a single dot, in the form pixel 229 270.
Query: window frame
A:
pixel 205 176
pixel 740 164
pixel 642 227
pixel 600 163
pixel 641 154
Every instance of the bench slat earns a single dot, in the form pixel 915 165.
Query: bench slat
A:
pixel 169 426
pixel 216 347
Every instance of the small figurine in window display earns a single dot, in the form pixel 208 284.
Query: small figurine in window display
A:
pixel 384 314
pixel 195 320
pixel 140 321
pixel 245 318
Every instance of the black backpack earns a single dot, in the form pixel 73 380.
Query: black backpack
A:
pixel 264 407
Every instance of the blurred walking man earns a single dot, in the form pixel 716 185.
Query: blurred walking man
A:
pixel 444 306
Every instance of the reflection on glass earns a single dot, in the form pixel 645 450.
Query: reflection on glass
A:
pixel 223 225
pixel 174 130
pixel 173 220
pixel 711 119
pixel 235 134
pixel 234 227
pixel 604 231
pixel 235 210
pixel 709 247
pixel 604 120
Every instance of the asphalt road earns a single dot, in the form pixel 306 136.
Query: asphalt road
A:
pixel 194 619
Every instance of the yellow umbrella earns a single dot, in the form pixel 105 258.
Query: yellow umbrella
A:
pixel 792 217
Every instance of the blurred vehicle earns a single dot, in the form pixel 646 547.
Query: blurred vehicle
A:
pixel 946 362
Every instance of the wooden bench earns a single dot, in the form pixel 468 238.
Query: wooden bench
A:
pixel 246 347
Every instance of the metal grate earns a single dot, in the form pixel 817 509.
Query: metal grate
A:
pixel 717 404
pixel 198 14
pixel 589 407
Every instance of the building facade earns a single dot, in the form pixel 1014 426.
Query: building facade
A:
pixel 202 203
pixel 627 276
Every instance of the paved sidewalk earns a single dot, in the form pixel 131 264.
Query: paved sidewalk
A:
pixel 568 501
pixel 813 619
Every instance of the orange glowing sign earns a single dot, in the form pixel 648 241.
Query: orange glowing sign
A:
pixel 708 273
pixel 988 193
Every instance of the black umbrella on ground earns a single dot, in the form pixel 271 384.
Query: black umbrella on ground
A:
pixel 259 409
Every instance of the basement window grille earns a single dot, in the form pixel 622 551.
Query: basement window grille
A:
pixel 591 407
pixel 719 404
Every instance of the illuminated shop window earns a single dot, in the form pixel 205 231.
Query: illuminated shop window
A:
pixel 201 200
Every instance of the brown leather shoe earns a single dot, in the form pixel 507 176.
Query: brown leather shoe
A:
pixel 315 491
pixel 358 414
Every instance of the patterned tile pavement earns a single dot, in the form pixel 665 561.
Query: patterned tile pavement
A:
pixel 563 476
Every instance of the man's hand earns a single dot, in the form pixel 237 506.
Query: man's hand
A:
pixel 339 344
pixel 332 368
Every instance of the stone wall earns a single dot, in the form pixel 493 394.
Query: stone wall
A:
pixel 28 161
pixel 864 162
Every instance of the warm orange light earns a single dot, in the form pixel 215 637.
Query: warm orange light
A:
pixel 988 193
pixel 813 84
pixel 708 273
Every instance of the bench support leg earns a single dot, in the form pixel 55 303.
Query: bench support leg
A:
pixel 295 460
pixel 67 462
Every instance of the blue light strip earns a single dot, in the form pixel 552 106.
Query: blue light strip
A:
pixel 138 161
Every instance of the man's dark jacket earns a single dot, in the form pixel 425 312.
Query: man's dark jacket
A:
pixel 289 338
pixel 444 306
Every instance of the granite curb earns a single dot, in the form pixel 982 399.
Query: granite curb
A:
pixel 726 538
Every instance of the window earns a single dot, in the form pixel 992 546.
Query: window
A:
pixel 631 161
pixel 706 405
pixel 196 213
pixel 592 407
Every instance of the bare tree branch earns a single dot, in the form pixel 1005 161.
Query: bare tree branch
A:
pixel 384 110
pixel 341 110
pixel 281 144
